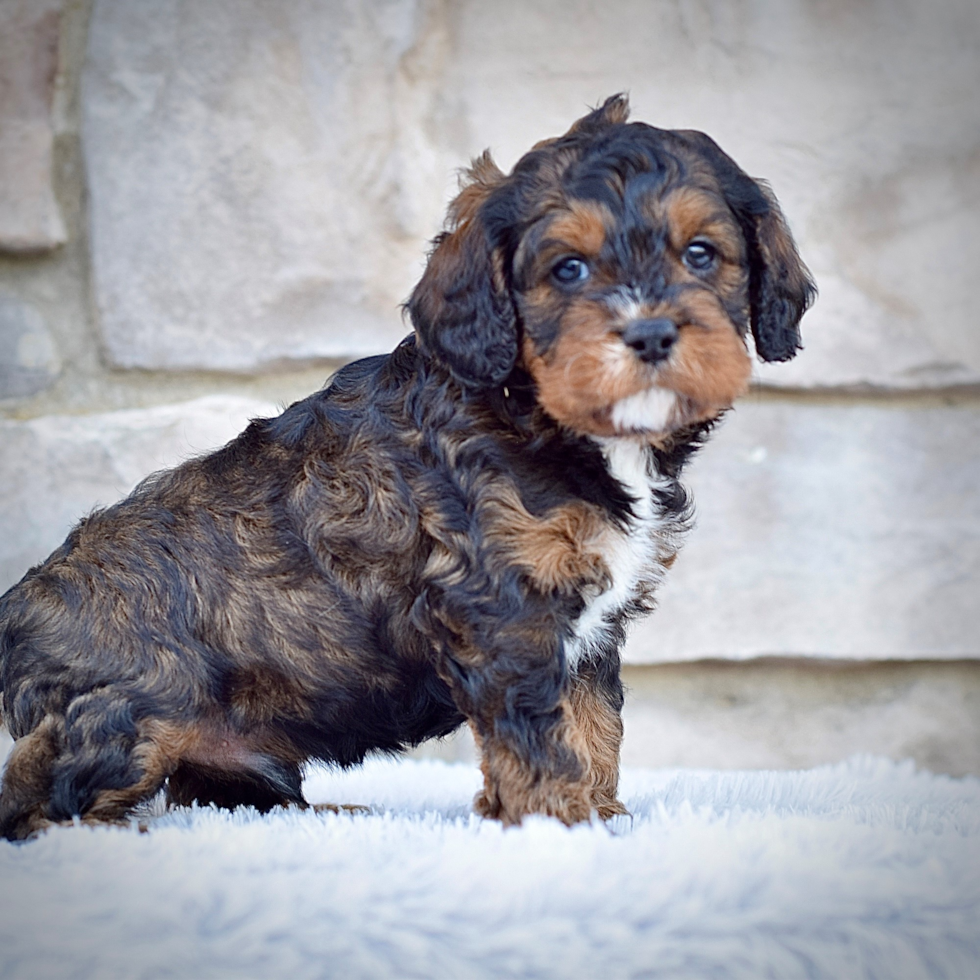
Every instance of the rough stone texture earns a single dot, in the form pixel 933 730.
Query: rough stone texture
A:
pixel 29 361
pixel 56 469
pixel 864 117
pixel 828 529
pixel 790 714
pixel 259 176
pixel 30 220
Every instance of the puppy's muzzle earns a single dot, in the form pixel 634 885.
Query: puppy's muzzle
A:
pixel 651 339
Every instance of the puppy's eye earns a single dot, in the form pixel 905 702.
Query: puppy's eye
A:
pixel 700 256
pixel 570 270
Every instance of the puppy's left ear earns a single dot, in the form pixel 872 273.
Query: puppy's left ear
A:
pixel 780 287
pixel 461 309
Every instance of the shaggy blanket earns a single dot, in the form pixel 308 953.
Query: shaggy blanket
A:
pixel 864 869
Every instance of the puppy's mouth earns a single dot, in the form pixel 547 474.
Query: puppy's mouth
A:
pixel 675 371
pixel 653 411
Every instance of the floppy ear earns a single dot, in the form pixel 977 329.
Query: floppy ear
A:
pixel 461 308
pixel 780 287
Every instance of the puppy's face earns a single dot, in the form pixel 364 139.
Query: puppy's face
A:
pixel 621 266
pixel 634 303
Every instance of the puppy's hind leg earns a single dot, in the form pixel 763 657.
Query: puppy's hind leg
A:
pixel 27 780
pixel 96 762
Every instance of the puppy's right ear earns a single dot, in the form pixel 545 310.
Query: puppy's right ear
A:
pixel 461 309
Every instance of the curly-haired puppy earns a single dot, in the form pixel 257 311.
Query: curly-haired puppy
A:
pixel 457 531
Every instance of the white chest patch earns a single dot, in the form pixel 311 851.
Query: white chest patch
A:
pixel 631 555
pixel 646 411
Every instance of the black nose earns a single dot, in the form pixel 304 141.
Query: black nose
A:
pixel 651 339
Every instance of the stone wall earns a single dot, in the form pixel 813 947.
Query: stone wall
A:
pixel 207 205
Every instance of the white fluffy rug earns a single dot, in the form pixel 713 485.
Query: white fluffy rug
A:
pixel 866 869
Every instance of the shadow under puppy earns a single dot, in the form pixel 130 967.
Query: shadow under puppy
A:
pixel 457 531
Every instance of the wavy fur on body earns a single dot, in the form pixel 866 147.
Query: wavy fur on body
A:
pixel 457 531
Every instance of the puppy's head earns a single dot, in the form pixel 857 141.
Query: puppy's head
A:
pixel 621 266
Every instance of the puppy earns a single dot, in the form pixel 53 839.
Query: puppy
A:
pixel 458 531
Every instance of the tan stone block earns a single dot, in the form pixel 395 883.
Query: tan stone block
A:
pixel 260 190
pixel 30 219
pixel 786 714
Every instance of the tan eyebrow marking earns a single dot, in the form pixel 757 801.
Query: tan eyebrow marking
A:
pixel 693 212
pixel 582 228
